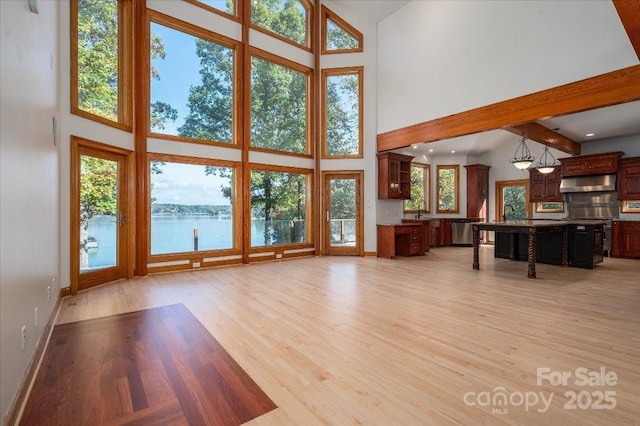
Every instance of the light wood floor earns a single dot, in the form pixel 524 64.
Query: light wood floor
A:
pixel 346 340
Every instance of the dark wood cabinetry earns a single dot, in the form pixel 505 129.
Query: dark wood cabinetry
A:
pixel 425 232
pixel 629 179
pixel 399 240
pixel 477 190
pixel 625 239
pixel 595 164
pixel 434 228
pixel 544 187
pixel 394 176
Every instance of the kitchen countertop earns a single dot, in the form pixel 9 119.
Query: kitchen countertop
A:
pixel 535 223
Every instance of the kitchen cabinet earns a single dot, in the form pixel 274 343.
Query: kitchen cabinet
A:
pixel 477 190
pixel 434 226
pixel 394 176
pixel 629 179
pixel 595 164
pixel 425 232
pixel 445 232
pixel 545 187
pixel 399 240
pixel 625 236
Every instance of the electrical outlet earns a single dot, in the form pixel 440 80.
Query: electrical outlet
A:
pixel 49 293
pixel 23 337
pixel 196 264
pixel 35 317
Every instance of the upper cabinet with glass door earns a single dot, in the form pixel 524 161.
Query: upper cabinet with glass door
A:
pixel 394 176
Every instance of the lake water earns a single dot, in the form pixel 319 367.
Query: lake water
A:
pixel 169 234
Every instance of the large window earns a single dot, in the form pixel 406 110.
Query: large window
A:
pixel 448 188
pixel 420 201
pixel 338 36
pixel 342 114
pixel 101 63
pixel 280 207
pixel 191 206
pixel 192 85
pixel 286 19
pixel 279 105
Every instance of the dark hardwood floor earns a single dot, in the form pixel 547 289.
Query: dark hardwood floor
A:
pixel 155 366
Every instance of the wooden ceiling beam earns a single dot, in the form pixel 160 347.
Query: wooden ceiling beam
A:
pixel 629 13
pixel 539 133
pixel 604 90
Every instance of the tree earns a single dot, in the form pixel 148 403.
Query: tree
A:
pixel 342 111
pixel 98 188
pixel 98 57
pixel 338 38
pixel 278 100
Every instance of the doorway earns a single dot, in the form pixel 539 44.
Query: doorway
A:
pixel 100 209
pixel 342 208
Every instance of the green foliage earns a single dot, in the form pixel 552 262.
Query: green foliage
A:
pixel 279 198
pixel 343 198
pixel 286 18
pixel 98 57
pixel 338 38
pixel 98 188
pixel 342 110
pixel 515 196
pixel 211 103
pixel 447 186
pixel 278 107
pixel 417 201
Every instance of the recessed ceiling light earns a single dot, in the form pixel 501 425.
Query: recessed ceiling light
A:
pixel 453 151
pixel 431 150
pixel 414 146
pixel 590 134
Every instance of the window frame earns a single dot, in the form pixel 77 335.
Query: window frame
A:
pixel 279 60
pixel 328 14
pixel 426 184
pixel 238 5
pixel 310 208
pixel 333 72
pixel 198 32
pixel 499 191
pixel 456 168
pixel 125 67
pixel 308 6
pixel 204 257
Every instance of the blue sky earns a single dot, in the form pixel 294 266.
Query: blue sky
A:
pixel 187 184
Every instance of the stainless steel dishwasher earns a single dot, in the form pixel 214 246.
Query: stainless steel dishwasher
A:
pixel 462 232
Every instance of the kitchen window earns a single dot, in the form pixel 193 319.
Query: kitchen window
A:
pixel 448 188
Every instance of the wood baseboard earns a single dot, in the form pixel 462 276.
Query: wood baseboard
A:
pixel 370 254
pixel 15 410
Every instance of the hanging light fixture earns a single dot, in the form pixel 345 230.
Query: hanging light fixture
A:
pixel 522 159
pixel 547 161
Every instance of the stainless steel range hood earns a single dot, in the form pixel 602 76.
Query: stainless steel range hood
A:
pixel 597 183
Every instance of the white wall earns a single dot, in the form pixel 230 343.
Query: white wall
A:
pixel 437 58
pixel 368 59
pixel 29 185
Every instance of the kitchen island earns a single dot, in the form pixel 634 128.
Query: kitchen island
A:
pixel 573 237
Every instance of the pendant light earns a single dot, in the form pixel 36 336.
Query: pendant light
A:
pixel 522 158
pixel 547 161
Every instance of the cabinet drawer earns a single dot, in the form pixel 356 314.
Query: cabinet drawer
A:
pixel 414 248
pixel 403 230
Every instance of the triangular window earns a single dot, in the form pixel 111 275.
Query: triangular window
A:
pixel 338 36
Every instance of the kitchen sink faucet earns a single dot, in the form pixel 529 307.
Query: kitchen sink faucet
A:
pixel 504 211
